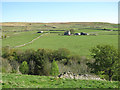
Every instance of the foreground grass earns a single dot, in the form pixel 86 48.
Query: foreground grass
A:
pixel 31 81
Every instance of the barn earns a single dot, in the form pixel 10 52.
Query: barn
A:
pixel 77 33
pixel 67 33
pixel 40 32
pixel 82 33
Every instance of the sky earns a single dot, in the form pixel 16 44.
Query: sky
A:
pixel 60 12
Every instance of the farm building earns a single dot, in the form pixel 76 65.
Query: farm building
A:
pixel 81 33
pixel 40 32
pixel 53 27
pixel 67 33
pixel 77 33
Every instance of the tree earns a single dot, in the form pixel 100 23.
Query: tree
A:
pixel 24 68
pixel 2 36
pixel 105 57
pixel 54 68
pixel 40 56
pixel 5 36
pixel 72 31
pixel 61 53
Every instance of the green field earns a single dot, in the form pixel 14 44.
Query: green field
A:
pixel 76 44
pixel 31 81
pixel 19 38
pixel 54 40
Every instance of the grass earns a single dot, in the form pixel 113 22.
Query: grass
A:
pixel 76 44
pixel 19 38
pixel 32 81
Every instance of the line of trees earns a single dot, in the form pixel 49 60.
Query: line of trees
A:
pixel 40 61
pixel 105 62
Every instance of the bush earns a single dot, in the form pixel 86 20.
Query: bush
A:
pixel 106 58
pixel 72 31
pixel 5 36
pixel 46 68
pixel 6 67
pixel 54 68
pixel 24 68
pixel 61 53
pixel 40 57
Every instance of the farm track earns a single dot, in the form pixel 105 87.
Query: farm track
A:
pixel 30 41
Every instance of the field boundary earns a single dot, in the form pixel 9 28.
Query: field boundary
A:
pixel 30 41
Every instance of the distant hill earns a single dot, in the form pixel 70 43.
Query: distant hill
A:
pixel 15 26
pixel 79 23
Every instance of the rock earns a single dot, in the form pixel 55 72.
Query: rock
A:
pixel 70 75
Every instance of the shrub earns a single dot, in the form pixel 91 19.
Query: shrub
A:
pixel 40 57
pixel 47 67
pixel 2 36
pixel 54 68
pixel 61 53
pixel 31 67
pixel 105 57
pixel 6 67
pixel 72 31
pixel 24 68
pixel 5 36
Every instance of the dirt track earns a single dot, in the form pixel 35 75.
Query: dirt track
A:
pixel 30 41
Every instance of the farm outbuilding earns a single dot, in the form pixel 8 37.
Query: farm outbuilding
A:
pixel 40 32
pixel 77 33
pixel 67 33
pixel 82 33
pixel 53 27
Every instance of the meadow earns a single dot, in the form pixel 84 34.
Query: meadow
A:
pixel 54 40
pixel 19 38
pixel 32 81
pixel 76 44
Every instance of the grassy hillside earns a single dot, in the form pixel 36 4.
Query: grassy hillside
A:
pixel 17 35
pixel 22 26
pixel 31 81
pixel 15 39
pixel 76 44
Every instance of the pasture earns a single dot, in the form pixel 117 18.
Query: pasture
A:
pixel 32 81
pixel 55 39
pixel 76 44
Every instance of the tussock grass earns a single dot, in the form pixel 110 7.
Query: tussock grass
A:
pixel 32 81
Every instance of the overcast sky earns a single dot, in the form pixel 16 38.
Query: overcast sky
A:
pixel 60 11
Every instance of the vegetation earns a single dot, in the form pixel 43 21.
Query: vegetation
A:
pixel 54 68
pixel 106 59
pixel 76 44
pixel 40 61
pixel 24 68
pixel 17 36
pixel 72 31
pixel 33 81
